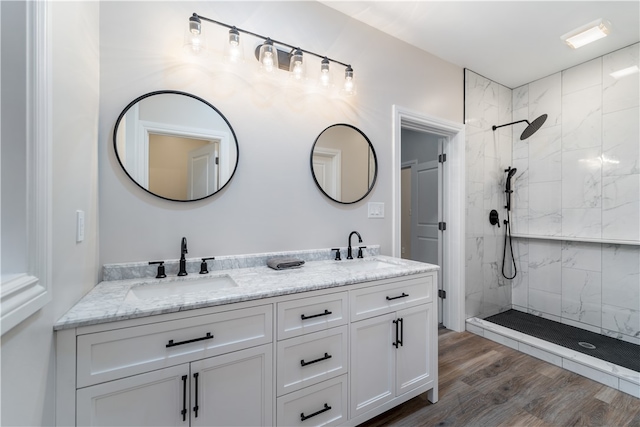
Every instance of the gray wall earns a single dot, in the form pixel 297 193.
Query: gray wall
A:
pixel 272 203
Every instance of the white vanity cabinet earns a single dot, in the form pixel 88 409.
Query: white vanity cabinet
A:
pixel 393 344
pixel 334 356
pixel 226 378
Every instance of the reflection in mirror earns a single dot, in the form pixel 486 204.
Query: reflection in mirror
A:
pixel 176 145
pixel 343 163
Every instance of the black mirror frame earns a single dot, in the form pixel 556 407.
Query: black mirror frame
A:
pixel 375 161
pixel 174 92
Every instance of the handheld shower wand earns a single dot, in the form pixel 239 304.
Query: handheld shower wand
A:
pixel 507 229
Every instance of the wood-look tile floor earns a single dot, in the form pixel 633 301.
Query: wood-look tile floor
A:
pixel 483 383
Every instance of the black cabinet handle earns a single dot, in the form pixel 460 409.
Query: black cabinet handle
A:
pixel 306 417
pixel 400 296
pixel 184 398
pixel 396 342
pixel 401 321
pixel 195 408
pixel 326 356
pixel 207 337
pixel 326 313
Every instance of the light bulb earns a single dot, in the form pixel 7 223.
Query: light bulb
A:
pixel 233 51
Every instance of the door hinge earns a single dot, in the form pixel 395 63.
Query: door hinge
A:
pixel 442 226
pixel 442 158
pixel 217 160
pixel 442 293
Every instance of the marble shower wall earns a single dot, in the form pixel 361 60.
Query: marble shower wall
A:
pixel 488 154
pixel 579 178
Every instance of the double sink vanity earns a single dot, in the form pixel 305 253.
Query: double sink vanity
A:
pixel 329 343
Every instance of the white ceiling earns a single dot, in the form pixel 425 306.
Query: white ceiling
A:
pixel 510 42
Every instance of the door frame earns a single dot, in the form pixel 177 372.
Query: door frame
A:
pixel 453 203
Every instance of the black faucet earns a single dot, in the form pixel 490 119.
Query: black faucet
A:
pixel 183 261
pixel 349 255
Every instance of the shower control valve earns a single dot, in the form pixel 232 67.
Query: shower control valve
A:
pixel 493 218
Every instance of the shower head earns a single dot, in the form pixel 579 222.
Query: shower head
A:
pixel 533 127
pixel 512 171
pixel 530 129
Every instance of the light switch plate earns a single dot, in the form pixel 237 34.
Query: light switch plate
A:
pixel 376 209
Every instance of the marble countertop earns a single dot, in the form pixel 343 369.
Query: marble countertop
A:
pixel 112 300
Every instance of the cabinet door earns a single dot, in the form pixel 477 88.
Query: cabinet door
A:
pixel 152 399
pixel 373 358
pixel 414 364
pixel 234 389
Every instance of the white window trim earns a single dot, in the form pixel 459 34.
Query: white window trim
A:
pixel 25 293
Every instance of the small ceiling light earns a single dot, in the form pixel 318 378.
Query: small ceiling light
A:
pixel 233 50
pixel 625 72
pixel 268 56
pixel 325 75
pixel 349 83
pixel 193 38
pixel 296 64
pixel 587 33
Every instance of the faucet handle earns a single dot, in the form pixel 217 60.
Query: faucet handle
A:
pixel 360 248
pixel 337 254
pixel 161 274
pixel 204 268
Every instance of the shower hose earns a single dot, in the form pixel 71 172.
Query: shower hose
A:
pixel 507 236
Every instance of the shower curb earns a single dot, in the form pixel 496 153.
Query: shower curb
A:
pixel 609 374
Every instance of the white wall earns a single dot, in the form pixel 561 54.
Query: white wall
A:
pixel 28 354
pixel 272 203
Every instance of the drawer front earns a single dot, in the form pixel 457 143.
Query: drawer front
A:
pixel 109 355
pixel 312 358
pixel 312 314
pixel 323 404
pixel 382 299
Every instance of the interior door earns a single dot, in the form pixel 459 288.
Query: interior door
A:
pixel 203 171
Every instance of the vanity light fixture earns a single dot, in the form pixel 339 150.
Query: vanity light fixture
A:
pixel 268 54
pixel 587 33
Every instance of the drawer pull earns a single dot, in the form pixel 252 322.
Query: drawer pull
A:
pixel 400 296
pixel 173 344
pixel 326 313
pixel 195 408
pixel 184 398
pixel 326 356
pixel 306 417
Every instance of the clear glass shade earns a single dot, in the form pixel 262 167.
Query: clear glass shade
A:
pixel 296 65
pixel 268 56
pixel 233 49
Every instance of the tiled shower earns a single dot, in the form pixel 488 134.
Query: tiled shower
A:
pixel 576 201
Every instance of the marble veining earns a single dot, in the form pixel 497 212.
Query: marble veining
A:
pixel 111 300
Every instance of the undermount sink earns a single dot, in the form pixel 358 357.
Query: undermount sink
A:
pixel 366 264
pixel 175 288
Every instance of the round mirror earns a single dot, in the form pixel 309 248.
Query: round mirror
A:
pixel 344 163
pixel 176 145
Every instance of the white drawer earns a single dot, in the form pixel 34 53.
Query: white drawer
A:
pixel 312 358
pixel 323 404
pixel 109 355
pixel 382 299
pixel 312 314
